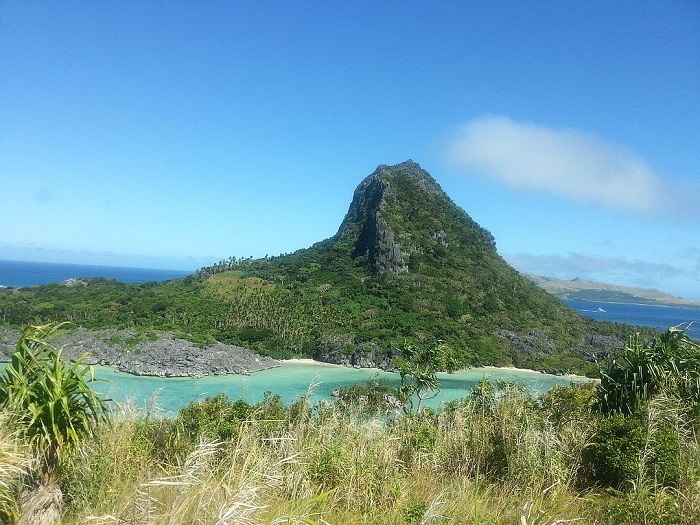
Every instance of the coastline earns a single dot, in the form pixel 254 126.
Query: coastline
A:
pixel 692 305
pixel 304 361
pixel 169 356
pixel 162 355
pixel 313 362
pixel 530 370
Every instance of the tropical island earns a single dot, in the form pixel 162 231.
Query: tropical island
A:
pixel 407 264
pixel 409 283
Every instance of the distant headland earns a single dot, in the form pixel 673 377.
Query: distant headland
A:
pixel 582 290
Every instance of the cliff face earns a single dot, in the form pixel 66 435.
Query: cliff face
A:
pixel 437 273
pixel 367 231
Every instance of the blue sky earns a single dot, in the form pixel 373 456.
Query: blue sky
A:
pixel 175 134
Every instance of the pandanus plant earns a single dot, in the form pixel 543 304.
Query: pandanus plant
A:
pixel 54 407
pixel 669 365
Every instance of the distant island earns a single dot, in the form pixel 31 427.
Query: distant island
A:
pixel 582 290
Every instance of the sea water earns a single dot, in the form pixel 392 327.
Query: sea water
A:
pixel 293 380
pixel 660 317
pixel 18 274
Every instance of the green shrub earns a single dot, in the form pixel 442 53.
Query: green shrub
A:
pixel 568 403
pixel 414 513
pixel 613 458
pixel 328 468
pixel 420 434
pixel 645 507
pixel 270 414
pixel 665 457
pixel 216 418
pixel 158 439
pixel 371 398
pixel 626 452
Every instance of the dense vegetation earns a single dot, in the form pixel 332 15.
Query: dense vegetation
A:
pixel 497 456
pixel 406 264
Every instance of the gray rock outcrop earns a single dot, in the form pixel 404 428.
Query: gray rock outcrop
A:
pixel 163 355
pixel 344 351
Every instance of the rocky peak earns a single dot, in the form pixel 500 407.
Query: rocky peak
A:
pixel 398 211
pixel 411 170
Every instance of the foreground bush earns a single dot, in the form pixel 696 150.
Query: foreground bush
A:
pixel 495 457
pixel 629 451
pixel 669 365
pixel 54 407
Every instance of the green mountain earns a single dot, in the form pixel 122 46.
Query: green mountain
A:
pixel 406 264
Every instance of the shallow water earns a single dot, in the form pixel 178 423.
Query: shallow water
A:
pixel 291 380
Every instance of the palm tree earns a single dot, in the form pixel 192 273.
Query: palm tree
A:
pixel 418 367
pixel 55 409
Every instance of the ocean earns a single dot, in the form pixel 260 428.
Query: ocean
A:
pixel 18 274
pixel 661 317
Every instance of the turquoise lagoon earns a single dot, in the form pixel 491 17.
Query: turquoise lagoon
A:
pixel 292 380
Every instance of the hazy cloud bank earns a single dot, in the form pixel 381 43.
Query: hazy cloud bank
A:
pixel 581 265
pixel 679 279
pixel 55 254
pixel 563 162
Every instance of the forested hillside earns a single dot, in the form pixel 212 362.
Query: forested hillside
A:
pixel 406 264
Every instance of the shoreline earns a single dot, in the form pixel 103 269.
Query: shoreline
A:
pixel 312 362
pixel 169 356
pixel 296 361
pixel 309 361
pixel 530 370
pixel 691 304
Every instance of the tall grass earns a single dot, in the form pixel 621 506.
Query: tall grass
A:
pixel 493 458
pixel 15 462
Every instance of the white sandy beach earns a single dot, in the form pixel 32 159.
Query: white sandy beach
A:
pixel 308 361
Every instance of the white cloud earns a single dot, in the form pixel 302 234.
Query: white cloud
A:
pixel 563 162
